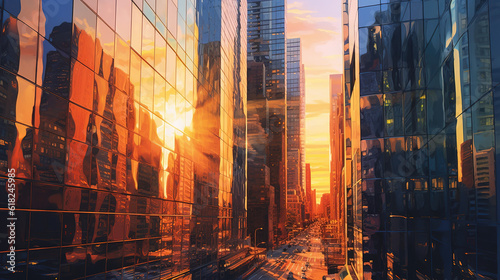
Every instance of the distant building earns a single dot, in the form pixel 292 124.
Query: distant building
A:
pixel 295 129
pixel 267 44
pixel 309 194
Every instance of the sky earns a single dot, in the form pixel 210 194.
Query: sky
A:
pixel 318 24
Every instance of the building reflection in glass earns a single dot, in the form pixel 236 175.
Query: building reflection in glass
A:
pixel 420 139
pixel 128 121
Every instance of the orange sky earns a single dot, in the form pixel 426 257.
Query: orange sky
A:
pixel 318 24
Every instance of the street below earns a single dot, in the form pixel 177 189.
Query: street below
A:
pixel 299 258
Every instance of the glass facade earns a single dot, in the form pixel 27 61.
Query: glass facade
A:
pixel 267 44
pixel 126 124
pixel 420 138
pixel 295 131
pixel 337 191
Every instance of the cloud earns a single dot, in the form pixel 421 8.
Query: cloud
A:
pixel 318 25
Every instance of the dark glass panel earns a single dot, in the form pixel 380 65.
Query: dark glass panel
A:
pixel 372 158
pixel 47 197
pixel 370 49
pixel 58 21
pixel 391 50
pixel 10 132
pixel 73 262
pixel 114 256
pixel 372 124
pixel 49 162
pixel 74 229
pixel 96 259
pixel 369 16
pixel 129 252
pixel 19 47
pixel 479 54
pixel 22 231
pixel 370 82
pixel 45 229
pixel 43 264
pixel 56 69
pixel 393 111
pixel 51 113
pixel 395 158
pixel 21 193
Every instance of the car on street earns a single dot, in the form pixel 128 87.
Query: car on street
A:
pixel 290 275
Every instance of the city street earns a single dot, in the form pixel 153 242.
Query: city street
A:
pixel 296 259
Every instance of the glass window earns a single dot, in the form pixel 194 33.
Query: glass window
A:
pixel 123 20
pixel 122 65
pixel 372 116
pixel 370 82
pixel 160 54
pixel 96 259
pixel 159 97
pixel 369 15
pixel 391 50
pixel 84 21
pixel 105 50
pixel 171 66
pixel 57 23
pixel 45 229
pixel 370 49
pixel 172 18
pixel 372 158
pixel 73 262
pixel 181 77
pixel 363 3
pixel 136 35
pixel 135 76
pixel 393 111
pixel 147 85
pixel 43 262
pixel 114 256
pixel 148 41
pixel 479 54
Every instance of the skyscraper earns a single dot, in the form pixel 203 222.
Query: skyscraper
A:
pixel 420 124
pixel 309 195
pixel 337 190
pixel 267 44
pixel 126 127
pixel 295 129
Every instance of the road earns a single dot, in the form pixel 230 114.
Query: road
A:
pixel 294 259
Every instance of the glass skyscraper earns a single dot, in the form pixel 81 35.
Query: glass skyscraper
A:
pixel 421 130
pixel 125 122
pixel 295 131
pixel 267 45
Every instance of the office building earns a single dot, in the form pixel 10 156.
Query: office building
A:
pixel 267 44
pixel 421 131
pixel 295 129
pixel 309 199
pixel 125 122
pixel 337 190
